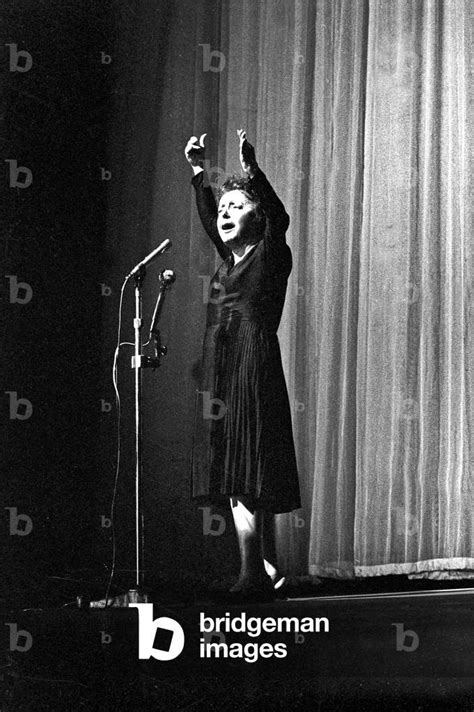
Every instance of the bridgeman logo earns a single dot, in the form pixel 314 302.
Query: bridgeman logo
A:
pixel 165 632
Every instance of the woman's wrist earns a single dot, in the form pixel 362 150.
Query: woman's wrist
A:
pixel 252 170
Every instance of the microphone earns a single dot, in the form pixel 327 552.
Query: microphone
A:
pixel 167 277
pixel 165 245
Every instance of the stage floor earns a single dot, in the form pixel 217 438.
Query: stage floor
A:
pixel 405 650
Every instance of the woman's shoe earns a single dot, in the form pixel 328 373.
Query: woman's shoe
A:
pixel 279 582
pixel 280 587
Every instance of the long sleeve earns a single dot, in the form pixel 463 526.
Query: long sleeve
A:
pixel 207 210
pixel 277 217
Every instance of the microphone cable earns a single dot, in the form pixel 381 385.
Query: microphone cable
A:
pixel 119 422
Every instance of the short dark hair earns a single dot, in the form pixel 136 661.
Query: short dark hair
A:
pixel 236 182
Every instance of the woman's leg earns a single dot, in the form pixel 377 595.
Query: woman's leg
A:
pixel 269 550
pixel 249 525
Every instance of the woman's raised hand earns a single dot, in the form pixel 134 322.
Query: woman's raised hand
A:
pixel 247 154
pixel 195 151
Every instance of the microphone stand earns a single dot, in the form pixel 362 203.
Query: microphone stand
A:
pixel 137 593
pixel 139 362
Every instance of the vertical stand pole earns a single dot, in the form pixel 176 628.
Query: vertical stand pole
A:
pixel 137 364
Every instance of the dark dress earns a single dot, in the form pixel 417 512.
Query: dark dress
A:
pixel 243 440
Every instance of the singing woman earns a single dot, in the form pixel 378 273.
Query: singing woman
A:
pixel 243 448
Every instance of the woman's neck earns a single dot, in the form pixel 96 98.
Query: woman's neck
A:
pixel 240 252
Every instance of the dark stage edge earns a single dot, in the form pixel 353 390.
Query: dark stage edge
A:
pixel 400 651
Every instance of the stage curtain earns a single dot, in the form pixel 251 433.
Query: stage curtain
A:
pixel 360 117
pixel 359 111
pixel 415 353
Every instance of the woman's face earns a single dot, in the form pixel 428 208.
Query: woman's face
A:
pixel 235 218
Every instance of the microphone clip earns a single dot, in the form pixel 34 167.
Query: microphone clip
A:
pixel 159 349
pixel 153 362
pixel 138 274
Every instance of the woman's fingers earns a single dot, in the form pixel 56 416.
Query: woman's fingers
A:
pixel 195 150
pixel 247 153
pixel 200 140
pixel 195 143
pixel 245 146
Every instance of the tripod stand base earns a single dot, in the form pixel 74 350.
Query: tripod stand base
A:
pixel 123 600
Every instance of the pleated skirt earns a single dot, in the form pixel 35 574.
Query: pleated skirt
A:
pixel 243 440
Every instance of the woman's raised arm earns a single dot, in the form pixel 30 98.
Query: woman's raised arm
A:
pixel 277 217
pixel 195 153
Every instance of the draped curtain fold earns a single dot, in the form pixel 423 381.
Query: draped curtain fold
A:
pixel 360 114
